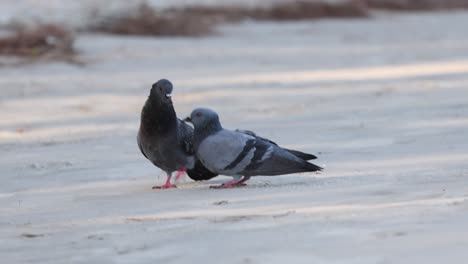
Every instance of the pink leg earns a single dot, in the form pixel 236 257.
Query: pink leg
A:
pixel 231 184
pixel 167 185
pixel 180 173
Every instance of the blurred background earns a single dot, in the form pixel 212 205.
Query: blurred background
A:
pixel 376 88
pixel 59 21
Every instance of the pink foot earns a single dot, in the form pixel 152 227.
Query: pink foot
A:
pixel 165 186
pixel 232 184
pixel 228 185
pixel 180 173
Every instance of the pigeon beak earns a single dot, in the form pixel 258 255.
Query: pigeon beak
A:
pixel 188 119
pixel 168 95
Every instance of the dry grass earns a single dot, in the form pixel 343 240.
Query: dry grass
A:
pixel 37 41
pixel 302 10
pixel 415 5
pixel 201 20
pixel 145 20
pixel 291 10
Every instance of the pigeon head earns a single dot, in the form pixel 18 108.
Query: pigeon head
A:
pixel 161 91
pixel 204 119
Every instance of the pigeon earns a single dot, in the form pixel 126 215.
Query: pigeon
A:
pixel 302 155
pixel 166 140
pixel 241 153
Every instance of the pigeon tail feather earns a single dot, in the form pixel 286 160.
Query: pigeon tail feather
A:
pixel 301 155
pixel 312 167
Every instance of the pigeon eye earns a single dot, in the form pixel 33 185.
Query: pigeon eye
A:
pixel 198 114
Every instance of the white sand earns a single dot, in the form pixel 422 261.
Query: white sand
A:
pixel 384 103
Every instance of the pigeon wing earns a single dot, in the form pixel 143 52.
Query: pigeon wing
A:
pixel 302 155
pixel 226 152
pixel 185 137
pixel 140 147
pixel 270 159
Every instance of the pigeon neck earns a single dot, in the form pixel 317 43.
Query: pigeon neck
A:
pixel 201 133
pixel 157 118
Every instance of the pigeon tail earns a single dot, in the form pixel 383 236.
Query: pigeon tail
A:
pixel 301 155
pixel 312 167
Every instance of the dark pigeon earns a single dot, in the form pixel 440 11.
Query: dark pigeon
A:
pixel 166 140
pixel 241 153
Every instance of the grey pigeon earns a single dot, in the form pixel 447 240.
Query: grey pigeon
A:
pixel 241 153
pixel 302 155
pixel 166 140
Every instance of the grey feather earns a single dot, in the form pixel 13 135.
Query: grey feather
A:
pixel 166 140
pixel 242 152
pixel 302 155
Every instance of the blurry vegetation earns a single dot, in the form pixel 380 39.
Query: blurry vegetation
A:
pixel 25 44
pixel 145 20
pixel 201 20
pixel 53 41
pixel 414 5
pixel 40 40
pixel 288 10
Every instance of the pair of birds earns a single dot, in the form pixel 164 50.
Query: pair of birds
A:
pixel 208 149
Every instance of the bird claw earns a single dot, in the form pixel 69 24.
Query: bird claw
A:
pixel 165 186
pixel 228 185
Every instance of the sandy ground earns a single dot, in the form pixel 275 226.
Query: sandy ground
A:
pixel 383 103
